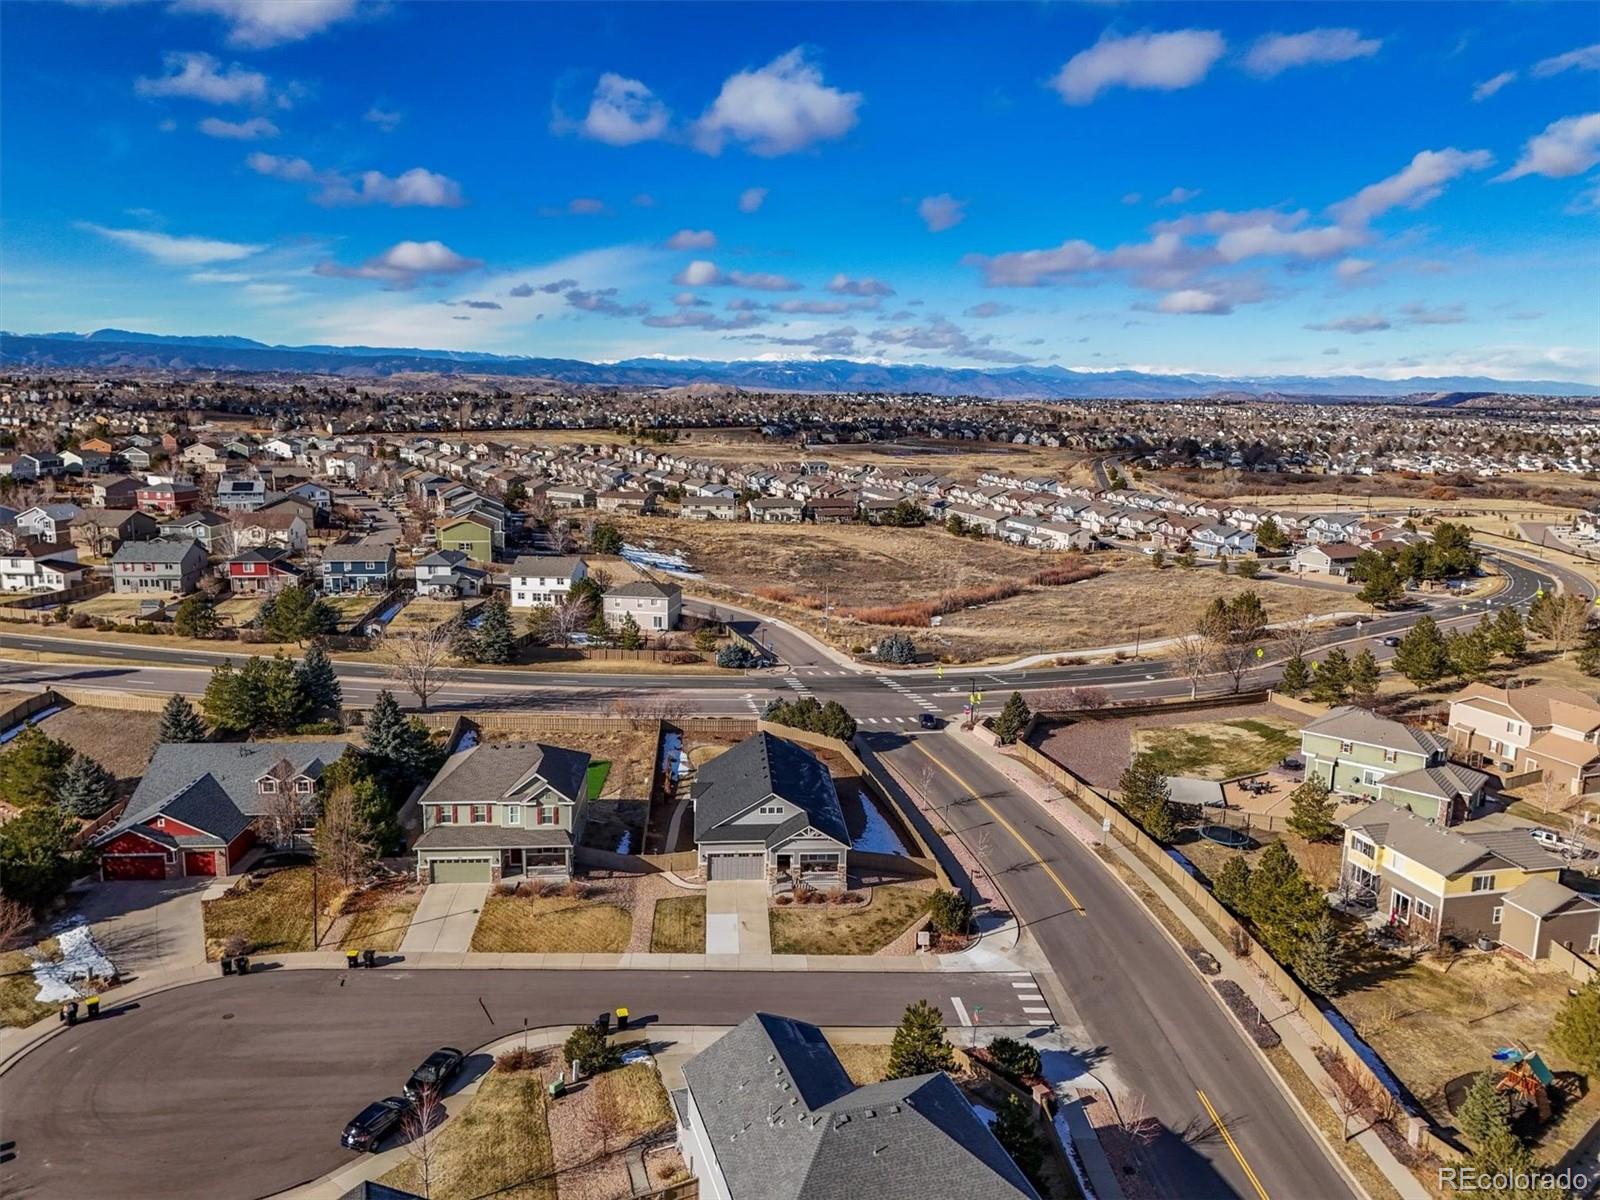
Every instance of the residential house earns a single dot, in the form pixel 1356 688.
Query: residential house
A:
pixel 777 510
pixel 571 496
pixel 161 566
pixel 264 570
pixel 241 494
pixel 1498 884
pixel 168 497
pixel 48 522
pixel 1550 733
pixel 653 606
pixel 767 809
pixel 832 510
pixel 447 575
pixel 214 532
pixel 38 464
pixel 319 496
pixel 358 567
pixel 470 535
pixel 114 491
pixel 40 568
pixel 634 503
pixel 137 458
pixel 1333 527
pixel 498 809
pixel 768 1112
pixel 200 806
pixel 1222 541
pixel 1327 558
pixel 280 527
pixel 99 531
pixel 709 508
pixel 1358 753
pixel 83 462
pixel 544 580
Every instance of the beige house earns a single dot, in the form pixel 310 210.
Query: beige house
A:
pixel 653 606
pixel 1551 731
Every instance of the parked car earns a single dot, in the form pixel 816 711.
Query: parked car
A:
pixel 435 1073
pixel 929 720
pixel 374 1123
pixel 1560 843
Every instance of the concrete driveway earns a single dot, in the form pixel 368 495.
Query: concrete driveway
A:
pixel 147 926
pixel 446 917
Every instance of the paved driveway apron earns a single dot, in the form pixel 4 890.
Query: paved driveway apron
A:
pixel 145 926
pixel 446 917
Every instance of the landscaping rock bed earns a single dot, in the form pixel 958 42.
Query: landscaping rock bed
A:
pixel 1261 1030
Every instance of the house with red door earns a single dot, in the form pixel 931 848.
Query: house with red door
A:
pixel 201 806
pixel 262 571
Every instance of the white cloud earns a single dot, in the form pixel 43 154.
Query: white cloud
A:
pixel 221 277
pixel 942 212
pixel 1265 240
pixel 751 199
pixel 239 131
pixel 1157 61
pixel 692 239
pixel 699 273
pixel 1493 84
pixel 1353 268
pixel 843 285
pixel 172 250
pixel 1032 268
pixel 989 308
pixel 1132 197
pixel 704 273
pixel 1194 302
pixel 1585 202
pixel 1422 179
pixel 1178 195
pixel 258 24
pixel 385 119
pixel 404 264
pixel 199 76
pixel 586 206
pixel 1361 323
pixel 416 188
pixel 623 112
pixel 946 337
pixel 1277 52
pixel 1585 59
pixel 1567 147
pixel 1421 314
pixel 782 107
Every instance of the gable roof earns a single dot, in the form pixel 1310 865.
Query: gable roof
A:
pixel 1540 705
pixel 359 552
pixel 546 566
pixel 1352 724
pixel 1444 850
pixel 488 771
pixel 1542 897
pixel 232 767
pixel 784 1123
pixel 760 766
pixel 171 553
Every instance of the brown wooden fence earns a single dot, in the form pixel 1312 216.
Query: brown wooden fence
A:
pixel 24 708
pixel 123 701
pixel 1575 965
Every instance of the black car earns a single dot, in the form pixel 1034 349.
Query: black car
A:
pixel 929 721
pixel 374 1123
pixel 435 1073
pixel 1391 641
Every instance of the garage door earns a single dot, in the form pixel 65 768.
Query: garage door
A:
pixel 133 866
pixel 462 870
pixel 736 866
pixel 199 862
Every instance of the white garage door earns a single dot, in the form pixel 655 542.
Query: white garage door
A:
pixel 462 870
pixel 735 866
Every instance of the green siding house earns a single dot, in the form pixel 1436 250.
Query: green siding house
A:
pixel 469 535
pixel 1358 753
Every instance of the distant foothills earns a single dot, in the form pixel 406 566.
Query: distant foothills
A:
pixel 121 349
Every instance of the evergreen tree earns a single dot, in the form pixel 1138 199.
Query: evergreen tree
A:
pixel 196 617
pixel 180 722
pixel 896 648
pixel 1296 677
pixel 1483 1110
pixel 591 1051
pixel 1283 905
pixel 37 859
pixel 1142 788
pixel 1324 958
pixel 1422 656
pixel 1331 684
pixel 597 629
pixel 605 538
pixel 227 708
pixel 283 703
pixel 1364 679
pixel 1468 654
pixel 919 1044
pixel 464 641
pixel 1013 719
pixel 296 614
pixel 86 788
pixel 1311 810
pixel 318 683
pixel 1232 884
pixel 495 635
pixel 629 636
pixel 376 809
pixel 835 721
pixel 1013 1129
pixel 401 746
pixel 1576 1030
pixel 1589 653
pixel 1383 588
pixel 1270 535
pixel 31 767
pixel 1015 1057
pixel 1161 819
pixel 950 912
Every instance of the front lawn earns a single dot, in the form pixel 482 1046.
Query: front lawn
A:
pixel 830 929
pixel 679 926
pixel 633 1101
pixel 379 916
pixel 499 1146
pixel 18 987
pixel 551 925
pixel 273 917
pixel 1218 749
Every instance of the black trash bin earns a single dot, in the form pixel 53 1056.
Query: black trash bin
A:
pixel 241 964
pixel 352 959
pixel 622 1019
pixel 227 965
pixel 369 958
pixel 91 1007
pixel 69 1012
pixel 603 1023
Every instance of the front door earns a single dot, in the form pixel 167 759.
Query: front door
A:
pixel 1400 908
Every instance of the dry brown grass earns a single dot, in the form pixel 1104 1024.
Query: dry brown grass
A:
pixel 551 925
pixel 864 1062
pixel 631 754
pixel 121 742
pixel 826 929
pixel 499 1146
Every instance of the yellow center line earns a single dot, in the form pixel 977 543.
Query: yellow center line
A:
pixel 1231 1144
pixel 1004 824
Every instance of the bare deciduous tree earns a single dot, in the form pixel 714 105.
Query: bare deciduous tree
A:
pixel 566 619
pixel 420 1129
pixel 16 919
pixel 343 846
pixel 1192 655
pixel 1297 637
pixel 1134 1118
pixel 284 815
pixel 420 662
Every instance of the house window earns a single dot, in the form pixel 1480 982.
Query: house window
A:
pixel 159 822
pixel 1345 747
pixel 480 814
pixel 513 814
pixel 1494 915
pixel 1390 756
pixel 1483 883
pixel 269 787
pixel 303 786
pixel 770 810
pixel 1363 847
pixel 1424 910
pixel 443 815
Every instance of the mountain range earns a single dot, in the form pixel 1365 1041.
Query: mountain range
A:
pixel 121 349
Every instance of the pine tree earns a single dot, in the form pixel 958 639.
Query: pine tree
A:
pixel 1364 679
pixel 1468 654
pixel 298 613
pixel 1311 811
pixel 1576 1031
pixel 597 629
pixel 1332 681
pixel 495 637
pixel 1232 884
pixel 1270 535
pixel 37 859
pixel 1013 719
pixel 1422 656
pixel 1482 1111
pixel 180 722
pixel 31 767
pixel 227 709
pixel 919 1045
pixel 1383 588
pixel 283 703
pixel 384 727
pixel 1142 788
pixel 1013 1129
pixel 1324 959
pixel 86 788
pixel 1161 819
pixel 1296 677
pixel 629 636
pixel 196 617
pixel 1589 653
pixel 1283 906
pixel 401 746
pixel 318 683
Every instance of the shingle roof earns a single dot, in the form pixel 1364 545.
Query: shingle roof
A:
pixel 1541 897
pixel 1443 782
pixel 1444 850
pixel 490 770
pixel 172 553
pixel 1358 725
pixel 647 588
pixel 234 767
pixel 760 766
pixel 784 1123
pixel 491 837
pixel 374 552
pixel 547 566
pixel 1517 847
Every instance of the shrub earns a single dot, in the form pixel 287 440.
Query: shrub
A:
pixel 897 648
pixel 520 1059
pixel 737 657
pixel 235 945
pixel 1067 573
pixel 680 657
pixel 591 1050
pixel 784 899
pixel 79 621
pixel 573 890
pixel 951 912
pixel 1017 1059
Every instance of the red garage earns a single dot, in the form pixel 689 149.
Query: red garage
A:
pixel 163 846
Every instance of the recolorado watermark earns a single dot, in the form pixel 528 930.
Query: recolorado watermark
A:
pixel 1465 1178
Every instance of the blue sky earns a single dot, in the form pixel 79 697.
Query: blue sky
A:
pixel 1379 189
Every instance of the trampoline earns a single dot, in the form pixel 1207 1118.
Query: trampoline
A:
pixel 1234 839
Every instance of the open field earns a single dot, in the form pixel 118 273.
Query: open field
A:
pixel 679 926
pixel 1218 749
pixel 826 929
pixel 350 608
pixel 112 607
pixel 551 925
pixel 421 616
pixel 863 567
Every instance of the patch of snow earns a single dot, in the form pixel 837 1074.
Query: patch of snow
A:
pixel 673 760
pixel 1064 1136
pixel 469 739
pixel 625 842
pixel 674 564
pixel 876 836
pixel 388 614
pixel 1366 1053
pixel 81 959
pixel 15 730
pixel 985 1113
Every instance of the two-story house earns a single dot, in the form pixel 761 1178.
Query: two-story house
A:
pixel 1554 731
pixel 1327 558
pixel 1359 753
pixel 544 580
pixel 264 570
pixel 48 522
pixel 767 809
pixel 114 491
pixel 283 528
pixel 99 531
pixel 161 566
pixel 168 497
pixel 213 531
pixel 447 575
pixel 200 806
pixel 358 567
pixel 241 494
pixel 497 809
pixel 470 534
pixel 653 606
pixel 33 567
pixel 1499 884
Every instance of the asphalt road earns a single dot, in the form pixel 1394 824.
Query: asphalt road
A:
pixel 239 1088
pixel 1143 1020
